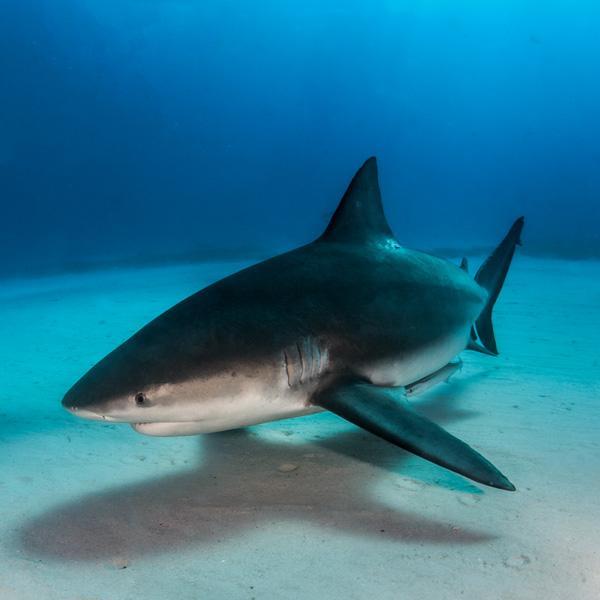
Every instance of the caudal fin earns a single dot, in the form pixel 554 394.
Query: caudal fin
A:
pixel 491 276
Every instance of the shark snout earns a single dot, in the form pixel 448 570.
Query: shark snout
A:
pixel 76 405
pixel 69 404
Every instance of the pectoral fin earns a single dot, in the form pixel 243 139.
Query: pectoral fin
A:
pixel 385 412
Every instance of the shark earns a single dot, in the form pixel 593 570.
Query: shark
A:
pixel 353 323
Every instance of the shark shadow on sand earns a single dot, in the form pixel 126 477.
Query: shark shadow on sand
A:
pixel 237 488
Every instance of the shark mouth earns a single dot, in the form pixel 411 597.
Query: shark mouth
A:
pixel 90 415
pixel 161 429
pixel 173 428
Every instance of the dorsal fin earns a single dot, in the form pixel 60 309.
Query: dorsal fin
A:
pixel 359 217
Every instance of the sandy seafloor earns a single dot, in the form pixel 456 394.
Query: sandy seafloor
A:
pixel 96 511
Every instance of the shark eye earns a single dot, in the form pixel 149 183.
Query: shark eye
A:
pixel 140 399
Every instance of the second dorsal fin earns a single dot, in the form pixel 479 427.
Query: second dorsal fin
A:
pixel 359 218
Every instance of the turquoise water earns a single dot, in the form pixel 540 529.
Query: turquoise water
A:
pixel 149 148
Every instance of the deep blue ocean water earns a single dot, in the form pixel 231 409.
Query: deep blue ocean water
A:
pixel 145 130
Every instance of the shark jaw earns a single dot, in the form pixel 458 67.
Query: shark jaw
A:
pixel 90 415
pixel 173 428
pixel 170 429
pixel 147 428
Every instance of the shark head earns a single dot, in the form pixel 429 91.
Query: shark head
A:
pixel 127 386
pixel 168 372
pixel 129 392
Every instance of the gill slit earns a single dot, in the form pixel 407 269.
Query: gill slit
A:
pixel 301 362
pixel 286 360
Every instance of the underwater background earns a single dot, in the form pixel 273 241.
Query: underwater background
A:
pixel 151 147
pixel 152 130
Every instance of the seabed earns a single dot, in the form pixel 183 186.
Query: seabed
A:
pixel 306 508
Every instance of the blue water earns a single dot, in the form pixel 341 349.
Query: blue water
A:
pixel 148 129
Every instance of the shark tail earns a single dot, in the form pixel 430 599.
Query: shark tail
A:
pixel 491 276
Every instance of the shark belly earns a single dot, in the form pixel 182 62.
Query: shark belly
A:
pixel 406 367
pixel 257 417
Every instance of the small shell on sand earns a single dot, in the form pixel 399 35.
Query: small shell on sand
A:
pixel 468 499
pixel 517 562
pixel 408 484
pixel 120 562
pixel 287 467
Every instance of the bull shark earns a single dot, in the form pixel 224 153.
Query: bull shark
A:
pixel 352 323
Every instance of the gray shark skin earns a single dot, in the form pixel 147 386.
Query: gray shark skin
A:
pixel 346 323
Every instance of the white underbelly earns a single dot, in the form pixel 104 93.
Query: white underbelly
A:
pixel 259 401
pixel 224 423
pixel 407 368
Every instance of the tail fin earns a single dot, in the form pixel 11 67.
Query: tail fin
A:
pixel 491 276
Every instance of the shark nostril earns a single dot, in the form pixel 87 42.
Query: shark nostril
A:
pixel 85 413
pixel 67 404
